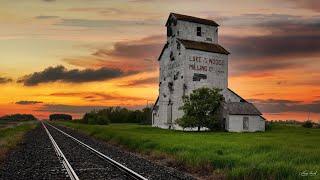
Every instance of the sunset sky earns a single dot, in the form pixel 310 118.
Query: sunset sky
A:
pixel 71 56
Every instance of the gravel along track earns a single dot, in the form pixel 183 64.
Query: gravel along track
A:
pixel 34 158
pixel 88 166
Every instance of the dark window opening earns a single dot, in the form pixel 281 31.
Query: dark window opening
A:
pixel 175 77
pixel 181 77
pixel 171 56
pixel 209 39
pixel 178 46
pixel 169 31
pixel 184 89
pixel 198 77
pixel 177 33
pixel 198 31
pixel 170 86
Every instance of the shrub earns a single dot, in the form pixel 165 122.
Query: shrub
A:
pixel 307 124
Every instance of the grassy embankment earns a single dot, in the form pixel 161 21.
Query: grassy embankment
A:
pixel 11 133
pixel 283 152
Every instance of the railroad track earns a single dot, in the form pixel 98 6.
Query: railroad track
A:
pixel 81 161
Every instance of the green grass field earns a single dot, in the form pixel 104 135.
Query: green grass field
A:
pixel 283 152
pixel 11 133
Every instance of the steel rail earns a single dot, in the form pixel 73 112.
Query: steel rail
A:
pixel 65 162
pixel 123 168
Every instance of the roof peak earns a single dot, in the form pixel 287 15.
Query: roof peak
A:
pixel 188 18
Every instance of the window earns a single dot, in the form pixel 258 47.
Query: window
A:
pixel 178 46
pixel 176 75
pixel 198 77
pixel 184 89
pixel 170 86
pixel 171 56
pixel 208 39
pixel 245 123
pixel 198 31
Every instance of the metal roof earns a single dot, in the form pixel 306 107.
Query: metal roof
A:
pixel 192 19
pixel 202 46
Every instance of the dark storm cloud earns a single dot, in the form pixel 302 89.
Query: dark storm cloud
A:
pixel 141 82
pixel 145 48
pixel 68 108
pixel 97 96
pixel 280 106
pixel 275 46
pixel 92 23
pixel 46 17
pixel 288 40
pixel 123 49
pixel 62 108
pixel 271 101
pixel 313 5
pixel 4 80
pixel 138 55
pixel 28 102
pixel 60 73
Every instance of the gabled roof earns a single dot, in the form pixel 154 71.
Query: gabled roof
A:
pixel 242 108
pixel 242 100
pixel 192 19
pixel 164 48
pixel 153 107
pixel 202 46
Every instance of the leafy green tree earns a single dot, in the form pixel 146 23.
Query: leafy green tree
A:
pixel 53 117
pixel 201 109
pixel 117 115
pixel 307 124
pixel 96 117
pixel 18 117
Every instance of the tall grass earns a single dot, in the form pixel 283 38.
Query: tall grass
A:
pixel 281 153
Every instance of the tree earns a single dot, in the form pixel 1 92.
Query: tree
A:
pixel 96 117
pixel 201 109
pixel 307 124
pixel 18 117
pixel 60 117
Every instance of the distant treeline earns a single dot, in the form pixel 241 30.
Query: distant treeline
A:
pixel 306 124
pixel 54 117
pixel 18 117
pixel 117 115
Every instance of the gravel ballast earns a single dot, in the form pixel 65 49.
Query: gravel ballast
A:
pixel 86 164
pixel 34 158
pixel 136 163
